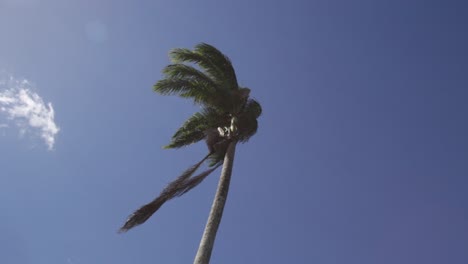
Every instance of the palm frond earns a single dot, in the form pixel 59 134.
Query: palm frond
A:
pixel 222 62
pixel 218 156
pixel 185 139
pixel 197 121
pixel 216 160
pixel 211 60
pixel 186 72
pixel 199 91
pixel 206 97
pixel 173 86
pixel 195 180
pixel 196 127
pixel 180 55
pixel 176 188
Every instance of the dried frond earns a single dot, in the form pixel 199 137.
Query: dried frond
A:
pixel 220 151
pixel 195 180
pixel 173 189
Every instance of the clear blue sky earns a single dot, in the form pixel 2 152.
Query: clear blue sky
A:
pixel 361 156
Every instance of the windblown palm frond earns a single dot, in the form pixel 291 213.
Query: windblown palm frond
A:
pixel 203 91
pixel 179 55
pixel 186 72
pixel 185 139
pixel 195 180
pixel 228 75
pixel 211 85
pixel 194 129
pixel 176 188
pixel 200 92
pixel 217 158
pixel 211 60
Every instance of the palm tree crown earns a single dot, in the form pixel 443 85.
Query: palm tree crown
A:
pixel 213 85
pixel 206 76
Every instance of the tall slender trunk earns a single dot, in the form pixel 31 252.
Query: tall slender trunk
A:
pixel 216 213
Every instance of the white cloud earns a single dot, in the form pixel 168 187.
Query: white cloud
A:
pixel 27 110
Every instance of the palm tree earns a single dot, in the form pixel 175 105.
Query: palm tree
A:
pixel 227 116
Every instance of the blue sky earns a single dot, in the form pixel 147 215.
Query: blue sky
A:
pixel 361 156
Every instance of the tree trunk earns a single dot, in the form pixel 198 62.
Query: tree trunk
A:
pixel 216 213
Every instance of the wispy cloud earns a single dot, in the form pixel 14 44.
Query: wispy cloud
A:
pixel 22 105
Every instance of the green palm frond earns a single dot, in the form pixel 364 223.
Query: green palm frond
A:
pixel 186 72
pixel 216 64
pixel 214 99
pixel 197 122
pixel 215 117
pixel 174 86
pixel 190 132
pixel 228 75
pixel 193 130
pixel 185 139
pixel 180 55
pixel 198 91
